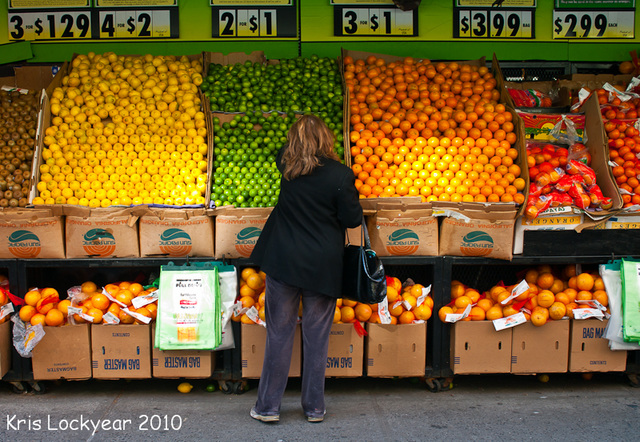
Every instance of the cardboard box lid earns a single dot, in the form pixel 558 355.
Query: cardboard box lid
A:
pixel 494 212
pixel 26 215
pixel 241 212
pixel 131 213
pixel 174 214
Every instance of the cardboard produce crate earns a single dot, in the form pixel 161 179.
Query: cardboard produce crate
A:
pixel 237 230
pixel 63 353
pixel 589 351
pixel 121 351
pixel 396 350
pixel 102 233
pixel 30 77
pixel 172 232
pixel 176 364
pixel 254 338
pixel 5 347
pixel 476 347
pixel 554 219
pixel 32 233
pixel 403 230
pixel 540 349
pixel 346 352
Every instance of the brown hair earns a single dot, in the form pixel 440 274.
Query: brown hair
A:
pixel 309 140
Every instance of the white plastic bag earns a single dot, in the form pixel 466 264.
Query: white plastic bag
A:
pixel 228 277
pixel 25 337
pixel 613 285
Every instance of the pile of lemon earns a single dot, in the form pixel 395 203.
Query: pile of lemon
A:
pixel 126 130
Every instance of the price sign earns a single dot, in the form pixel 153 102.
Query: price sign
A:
pixel 374 22
pixel 593 24
pixel 272 22
pixel 492 23
pixel 136 24
pixel 49 25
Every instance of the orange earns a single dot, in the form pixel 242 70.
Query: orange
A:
pixel 54 317
pixel 477 314
pixel 472 294
pixel 584 295
pixel 598 283
pixel 27 312
pixel 124 317
pixel 244 319
pixel 349 302
pixel 397 284
pixel 411 300
pixel 348 314
pixel 546 298
pixel 88 287
pixel 509 310
pixel 584 281
pixel 153 309
pixel 96 314
pixel 571 294
pixel 462 302
pixel 255 281
pixel 406 318
pixel 337 315
pixel 396 309
pixel 538 318
pixel 63 306
pixel 545 280
pixel 125 297
pixel 494 313
pixel 363 312
pixel 38 318
pixel 485 304
pixel 422 312
pixel 144 312
pixel 112 289
pixel 563 298
pixel 100 301
pixel 557 310
pixel 245 290
pixel 392 295
pixel 44 305
pixel 114 308
pixel 49 292
pixel 124 285
pixel 443 312
pixel 136 289
pixel 601 296
pixel 416 290
pixel 457 290
pixel 32 297
pixel 570 307
pixel 557 286
pixel 247 301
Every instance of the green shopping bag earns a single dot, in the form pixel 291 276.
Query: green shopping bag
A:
pixel 189 310
pixel 631 300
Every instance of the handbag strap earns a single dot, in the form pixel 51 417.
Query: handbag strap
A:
pixel 365 235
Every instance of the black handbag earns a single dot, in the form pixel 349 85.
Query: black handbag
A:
pixel 363 277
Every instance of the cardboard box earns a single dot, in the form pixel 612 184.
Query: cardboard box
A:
pixel 403 230
pixel 555 218
pixel 623 221
pixel 172 232
pixel 476 347
pixel 63 353
pixel 254 338
pixel 396 350
pixel 237 230
pixel 590 352
pixel 346 352
pixel 488 237
pixel 5 347
pixel 175 364
pixel 540 349
pixel 121 351
pixel 102 233
pixel 32 233
pixel 30 77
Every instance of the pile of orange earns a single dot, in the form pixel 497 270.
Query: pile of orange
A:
pixel 402 303
pixel 434 130
pixel 252 286
pixel 43 306
pixel 549 297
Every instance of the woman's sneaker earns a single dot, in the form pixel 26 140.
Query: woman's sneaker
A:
pixel 263 417
pixel 316 419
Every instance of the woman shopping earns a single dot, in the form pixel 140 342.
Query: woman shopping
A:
pixel 300 250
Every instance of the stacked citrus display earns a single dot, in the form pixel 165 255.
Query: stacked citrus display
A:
pixel 402 303
pixel 43 306
pixel 125 130
pixel 252 286
pixel 549 297
pixel 624 146
pixel 18 119
pixel 434 130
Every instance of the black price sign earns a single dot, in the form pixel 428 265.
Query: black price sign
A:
pixel 153 23
pixel 494 23
pixel 251 22
pixel 593 24
pixel 49 25
pixel 374 22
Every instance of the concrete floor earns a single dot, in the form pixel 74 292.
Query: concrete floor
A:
pixel 490 407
